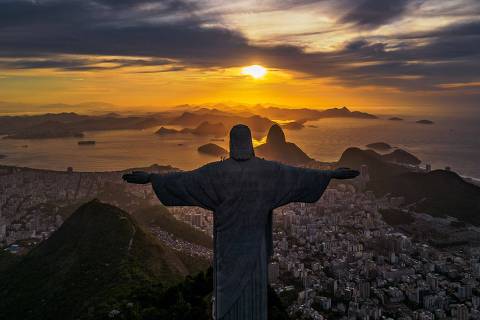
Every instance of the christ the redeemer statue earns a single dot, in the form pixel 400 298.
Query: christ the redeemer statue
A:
pixel 242 191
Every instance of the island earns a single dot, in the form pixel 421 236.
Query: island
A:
pixel 294 125
pixel 206 128
pixel 381 146
pixel 166 131
pixel 86 143
pixel 395 119
pixel 425 121
pixel 212 149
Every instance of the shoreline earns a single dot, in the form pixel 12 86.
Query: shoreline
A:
pixel 469 179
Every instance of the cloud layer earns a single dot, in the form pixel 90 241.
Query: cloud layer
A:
pixel 74 35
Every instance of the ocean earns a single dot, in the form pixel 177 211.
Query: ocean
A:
pixel 448 142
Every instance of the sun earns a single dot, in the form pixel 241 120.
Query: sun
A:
pixel 255 71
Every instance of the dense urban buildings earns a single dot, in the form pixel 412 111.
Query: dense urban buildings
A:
pixel 349 256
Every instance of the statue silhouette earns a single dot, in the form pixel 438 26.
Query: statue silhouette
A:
pixel 242 191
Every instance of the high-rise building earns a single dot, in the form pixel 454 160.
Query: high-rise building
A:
pixel 432 281
pixel 476 302
pixel 364 288
pixel 460 312
pixel 273 272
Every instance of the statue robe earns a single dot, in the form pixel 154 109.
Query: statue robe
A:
pixel 242 195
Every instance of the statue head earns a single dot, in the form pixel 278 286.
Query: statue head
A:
pixel 241 147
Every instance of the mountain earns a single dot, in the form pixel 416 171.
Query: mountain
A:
pixel 399 156
pixel 381 146
pixel 437 193
pixel 402 156
pixel 278 149
pixel 206 128
pixel 212 149
pixel 346 113
pixel 378 168
pixel 99 259
pixel 195 118
pixel 63 124
pixel 305 114
pixel 46 130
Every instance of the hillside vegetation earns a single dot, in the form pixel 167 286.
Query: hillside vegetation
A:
pixel 96 262
pixel 159 216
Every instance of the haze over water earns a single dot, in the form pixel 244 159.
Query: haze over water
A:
pixel 449 142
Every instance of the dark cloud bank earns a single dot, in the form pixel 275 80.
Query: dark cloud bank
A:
pixel 172 35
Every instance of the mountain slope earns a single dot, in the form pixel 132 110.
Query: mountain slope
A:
pixel 438 192
pixel 98 257
pixel 159 216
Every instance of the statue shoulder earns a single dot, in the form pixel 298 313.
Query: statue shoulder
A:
pixel 267 164
pixel 212 166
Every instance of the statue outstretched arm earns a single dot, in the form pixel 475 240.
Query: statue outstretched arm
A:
pixel 294 184
pixel 183 188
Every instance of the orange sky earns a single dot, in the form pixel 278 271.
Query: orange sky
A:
pixel 370 55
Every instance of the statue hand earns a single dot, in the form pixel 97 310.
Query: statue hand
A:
pixel 344 173
pixel 138 177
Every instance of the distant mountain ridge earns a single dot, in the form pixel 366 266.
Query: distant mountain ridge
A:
pixel 72 124
pixel 66 124
pixel 45 130
pixel 301 115
pixel 193 119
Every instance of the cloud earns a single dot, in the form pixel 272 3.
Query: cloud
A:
pixel 67 63
pixel 374 13
pixel 46 34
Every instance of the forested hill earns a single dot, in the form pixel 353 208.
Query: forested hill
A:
pixel 96 261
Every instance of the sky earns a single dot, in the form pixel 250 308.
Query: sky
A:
pixel 366 54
